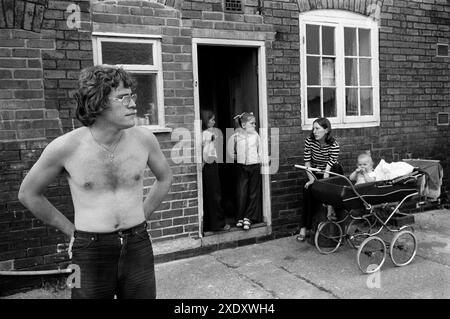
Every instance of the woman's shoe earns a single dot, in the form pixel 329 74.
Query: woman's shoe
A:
pixel 247 224
pixel 240 223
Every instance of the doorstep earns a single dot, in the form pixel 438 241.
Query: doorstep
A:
pixel 180 248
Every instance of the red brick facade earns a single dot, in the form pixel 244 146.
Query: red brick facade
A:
pixel 41 56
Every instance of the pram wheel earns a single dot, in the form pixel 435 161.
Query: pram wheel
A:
pixel 357 230
pixel 403 248
pixel 328 237
pixel 371 254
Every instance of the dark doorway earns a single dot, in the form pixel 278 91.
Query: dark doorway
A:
pixel 228 85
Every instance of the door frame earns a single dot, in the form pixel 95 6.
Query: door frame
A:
pixel 263 120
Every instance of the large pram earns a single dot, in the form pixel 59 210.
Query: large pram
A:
pixel 372 221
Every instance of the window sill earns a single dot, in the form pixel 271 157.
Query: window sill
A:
pixel 308 127
pixel 158 129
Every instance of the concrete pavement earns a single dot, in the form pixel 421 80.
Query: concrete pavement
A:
pixel 284 269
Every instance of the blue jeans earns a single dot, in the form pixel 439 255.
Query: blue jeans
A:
pixel 120 263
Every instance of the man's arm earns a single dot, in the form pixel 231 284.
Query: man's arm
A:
pixel 161 169
pixel 43 173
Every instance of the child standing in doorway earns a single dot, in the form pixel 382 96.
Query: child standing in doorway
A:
pixel 214 217
pixel 246 149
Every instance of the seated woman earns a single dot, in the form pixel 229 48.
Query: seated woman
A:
pixel 322 152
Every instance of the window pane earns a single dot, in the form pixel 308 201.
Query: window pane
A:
pixel 364 42
pixel 329 102
pixel 147 111
pixel 127 53
pixel 327 40
pixel 312 39
pixel 314 103
pixel 351 72
pixel 328 74
pixel 350 41
pixel 366 102
pixel 365 72
pixel 351 102
pixel 313 70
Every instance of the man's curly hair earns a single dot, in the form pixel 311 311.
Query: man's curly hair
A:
pixel 95 85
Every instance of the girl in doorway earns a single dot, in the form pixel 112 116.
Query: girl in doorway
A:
pixel 246 150
pixel 214 217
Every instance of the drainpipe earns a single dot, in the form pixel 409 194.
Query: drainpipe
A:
pixel 260 7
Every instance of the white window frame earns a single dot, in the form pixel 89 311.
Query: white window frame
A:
pixel 156 68
pixel 340 19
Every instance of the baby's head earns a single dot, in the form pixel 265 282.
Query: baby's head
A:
pixel 365 161
pixel 247 121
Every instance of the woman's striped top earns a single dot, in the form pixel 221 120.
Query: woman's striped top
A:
pixel 319 156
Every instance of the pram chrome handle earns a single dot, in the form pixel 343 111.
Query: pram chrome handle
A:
pixel 312 169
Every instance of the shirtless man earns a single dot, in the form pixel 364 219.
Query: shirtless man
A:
pixel 104 162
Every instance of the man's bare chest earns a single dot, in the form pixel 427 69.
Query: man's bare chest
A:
pixel 97 170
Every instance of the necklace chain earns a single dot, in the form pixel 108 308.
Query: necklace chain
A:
pixel 111 153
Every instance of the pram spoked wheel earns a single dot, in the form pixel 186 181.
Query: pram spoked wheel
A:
pixel 403 248
pixel 328 237
pixel 371 254
pixel 357 230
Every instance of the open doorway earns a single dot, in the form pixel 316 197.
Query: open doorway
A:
pixel 228 85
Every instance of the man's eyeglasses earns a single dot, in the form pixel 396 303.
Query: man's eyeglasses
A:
pixel 126 99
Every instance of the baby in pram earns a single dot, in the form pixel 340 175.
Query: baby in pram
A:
pixel 364 172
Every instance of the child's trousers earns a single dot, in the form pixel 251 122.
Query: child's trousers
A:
pixel 214 217
pixel 249 192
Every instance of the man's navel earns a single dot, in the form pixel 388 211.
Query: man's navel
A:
pixel 88 185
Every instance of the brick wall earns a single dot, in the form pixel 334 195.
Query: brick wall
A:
pixel 37 77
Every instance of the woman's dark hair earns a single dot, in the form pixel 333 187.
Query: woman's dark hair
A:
pixel 206 115
pixel 325 123
pixel 95 85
